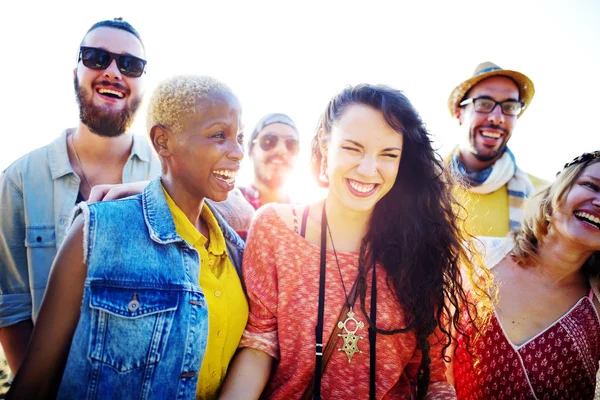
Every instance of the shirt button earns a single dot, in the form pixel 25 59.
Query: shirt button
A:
pixel 214 374
pixel 211 262
pixel 218 293
pixel 220 333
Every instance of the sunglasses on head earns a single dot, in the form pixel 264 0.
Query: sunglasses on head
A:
pixel 269 142
pixel 95 58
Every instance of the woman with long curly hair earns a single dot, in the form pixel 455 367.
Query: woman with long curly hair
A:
pixel 351 297
pixel 543 338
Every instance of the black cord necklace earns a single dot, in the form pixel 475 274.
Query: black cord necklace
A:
pixel 350 337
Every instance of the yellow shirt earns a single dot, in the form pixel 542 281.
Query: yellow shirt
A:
pixel 227 304
pixel 488 213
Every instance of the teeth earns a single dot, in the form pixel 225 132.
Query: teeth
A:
pixel 226 175
pixel 589 217
pixel 113 92
pixel 360 187
pixel 492 135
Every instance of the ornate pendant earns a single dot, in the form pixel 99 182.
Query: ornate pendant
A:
pixel 350 337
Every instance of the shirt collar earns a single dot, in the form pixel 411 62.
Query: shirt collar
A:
pixel 190 234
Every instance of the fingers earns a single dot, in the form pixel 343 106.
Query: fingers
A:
pixel 99 192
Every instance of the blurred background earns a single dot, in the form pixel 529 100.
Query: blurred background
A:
pixel 291 57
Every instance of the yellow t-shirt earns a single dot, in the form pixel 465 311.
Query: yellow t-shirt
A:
pixel 227 304
pixel 488 214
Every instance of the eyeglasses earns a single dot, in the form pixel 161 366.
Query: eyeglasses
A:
pixel 486 105
pixel 269 142
pixel 95 58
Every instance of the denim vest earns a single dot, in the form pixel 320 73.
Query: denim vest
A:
pixel 143 327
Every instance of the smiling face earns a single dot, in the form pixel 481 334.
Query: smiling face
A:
pixel 578 219
pixel 273 166
pixel 488 134
pixel 363 155
pixel 108 99
pixel 205 156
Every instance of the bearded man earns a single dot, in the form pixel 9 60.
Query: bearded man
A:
pixel 493 189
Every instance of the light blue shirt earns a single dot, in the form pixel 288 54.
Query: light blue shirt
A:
pixel 37 196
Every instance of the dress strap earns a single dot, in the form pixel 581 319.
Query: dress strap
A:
pixel 304 218
pixel 295 220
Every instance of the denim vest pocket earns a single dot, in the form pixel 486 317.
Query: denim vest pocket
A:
pixel 40 236
pixel 130 325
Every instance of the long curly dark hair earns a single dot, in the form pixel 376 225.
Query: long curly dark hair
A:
pixel 414 229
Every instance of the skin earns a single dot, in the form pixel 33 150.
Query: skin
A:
pixel 481 152
pixel 360 147
pixel 553 286
pixel 273 167
pixel 103 158
pixel 210 140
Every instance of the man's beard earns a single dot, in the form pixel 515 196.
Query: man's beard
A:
pixel 277 178
pixel 107 123
pixel 487 157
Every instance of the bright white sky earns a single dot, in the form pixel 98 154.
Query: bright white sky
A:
pixel 291 57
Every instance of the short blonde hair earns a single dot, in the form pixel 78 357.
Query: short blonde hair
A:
pixel 538 215
pixel 175 99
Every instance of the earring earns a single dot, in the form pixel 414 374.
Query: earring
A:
pixel 323 174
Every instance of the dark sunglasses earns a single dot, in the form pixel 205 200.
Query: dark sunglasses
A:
pixel 95 58
pixel 269 142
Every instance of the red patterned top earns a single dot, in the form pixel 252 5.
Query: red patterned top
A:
pixel 559 363
pixel 281 272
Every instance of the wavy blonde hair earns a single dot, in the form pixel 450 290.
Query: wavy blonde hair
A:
pixel 538 215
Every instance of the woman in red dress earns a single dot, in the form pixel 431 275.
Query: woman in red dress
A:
pixel 543 338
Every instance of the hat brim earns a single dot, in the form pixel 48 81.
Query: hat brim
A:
pixel 526 88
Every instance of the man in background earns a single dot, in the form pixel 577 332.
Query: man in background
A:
pixel 273 149
pixel 487 106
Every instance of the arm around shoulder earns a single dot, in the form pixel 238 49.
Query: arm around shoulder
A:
pixel 41 372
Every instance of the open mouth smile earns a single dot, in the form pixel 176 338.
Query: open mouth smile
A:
pixel 588 219
pixel 225 175
pixel 361 189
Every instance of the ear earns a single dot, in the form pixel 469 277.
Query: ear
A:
pixel 323 142
pixel 162 139
pixel 74 72
pixel 458 115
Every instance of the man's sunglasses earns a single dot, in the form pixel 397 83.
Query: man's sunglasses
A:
pixel 269 142
pixel 95 58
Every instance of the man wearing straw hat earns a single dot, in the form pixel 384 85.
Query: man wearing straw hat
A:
pixel 487 106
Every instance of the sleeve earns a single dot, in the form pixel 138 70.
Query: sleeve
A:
pixel 15 294
pixel 439 387
pixel 260 276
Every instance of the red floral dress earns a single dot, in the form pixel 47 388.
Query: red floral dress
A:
pixel 559 363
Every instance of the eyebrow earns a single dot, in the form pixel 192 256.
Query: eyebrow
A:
pixel 592 177
pixel 362 147
pixel 492 98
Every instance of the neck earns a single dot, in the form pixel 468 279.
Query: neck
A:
pixel 96 148
pixel 348 227
pixel 472 163
pixel 561 262
pixel 190 204
pixel 270 195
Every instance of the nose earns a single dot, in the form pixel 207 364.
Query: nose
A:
pixel 367 166
pixel 236 151
pixel 496 117
pixel 112 71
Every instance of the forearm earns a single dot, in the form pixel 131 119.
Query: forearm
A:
pixel 14 340
pixel 247 375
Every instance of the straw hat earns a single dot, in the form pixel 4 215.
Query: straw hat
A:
pixel 486 70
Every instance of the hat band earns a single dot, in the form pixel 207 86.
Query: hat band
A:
pixel 483 71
